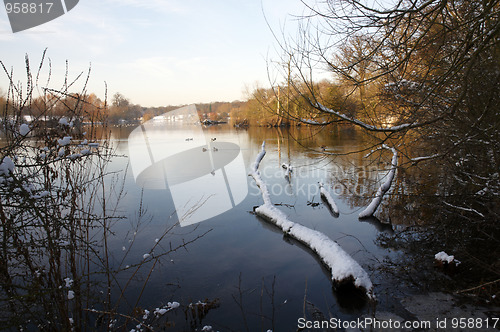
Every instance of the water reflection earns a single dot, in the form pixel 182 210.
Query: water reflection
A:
pixel 380 226
pixel 205 176
pixel 240 244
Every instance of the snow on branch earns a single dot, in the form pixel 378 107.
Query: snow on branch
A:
pixel 288 171
pixel 370 209
pixel 417 159
pixel 315 123
pixel 325 194
pixel 256 175
pixel 465 209
pixel 365 125
pixel 343 268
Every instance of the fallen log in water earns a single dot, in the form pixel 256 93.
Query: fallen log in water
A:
pixel 342 267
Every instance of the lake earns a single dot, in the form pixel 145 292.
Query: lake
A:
pixel 200 242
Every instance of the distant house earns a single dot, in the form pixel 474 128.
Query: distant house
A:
pixel 168 118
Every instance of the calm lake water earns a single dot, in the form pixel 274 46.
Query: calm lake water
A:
pixel 259 279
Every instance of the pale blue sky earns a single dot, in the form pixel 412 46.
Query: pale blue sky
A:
pixel 156 52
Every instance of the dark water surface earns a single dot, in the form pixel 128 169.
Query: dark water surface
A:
pixel 256 278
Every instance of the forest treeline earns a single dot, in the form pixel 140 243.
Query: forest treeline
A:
pixel 262 107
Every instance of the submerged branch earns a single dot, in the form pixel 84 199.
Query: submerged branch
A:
pixel 342 266
pixel 370 209
pixel 328 199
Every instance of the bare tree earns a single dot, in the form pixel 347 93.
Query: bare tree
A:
pixel 425 79
pixel 419 55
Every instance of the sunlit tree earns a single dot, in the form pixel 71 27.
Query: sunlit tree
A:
pixel 425 78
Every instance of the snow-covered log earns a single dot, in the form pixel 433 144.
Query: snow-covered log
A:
pixel 343 268
pixel 325 194
pixel 370 209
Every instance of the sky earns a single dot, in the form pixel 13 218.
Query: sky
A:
pixel 155 52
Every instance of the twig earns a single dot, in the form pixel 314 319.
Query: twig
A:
pixel 478 287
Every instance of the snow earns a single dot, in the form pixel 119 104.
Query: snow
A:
pixel 146 256
pixel 71 295
pixel 160 312
pixel 61 152
pixel 24 129
pixel 74 156
pixel 329 199
pixel 174 305
pixel 94 145
pixel 425 157
pixel 312 122
pixel 41 195
pixel 63 121
pixel 170 306
pixel 444 257
pixel 69 282
pixel 370 209
pixel 64 141
pixel 465 209
pixel 288 170
pixel 85 152
pixel 7 166
pixel 199 303
pixel 28 187
pixel 342 266
pixel 207 328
